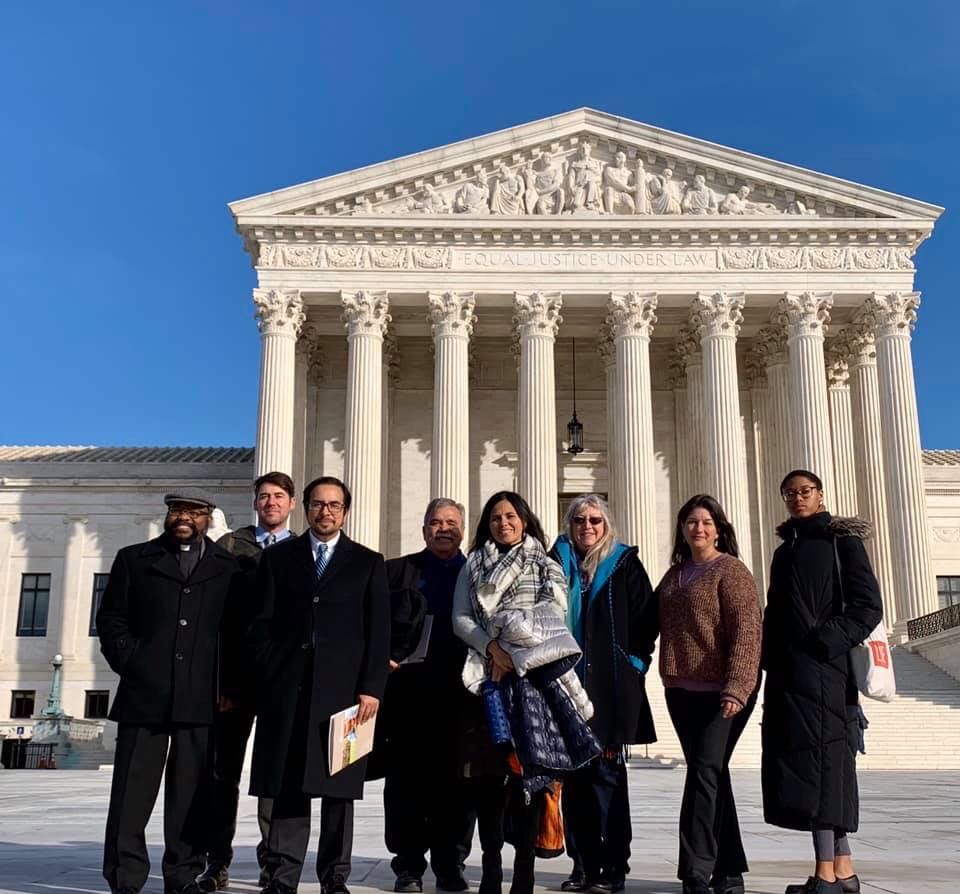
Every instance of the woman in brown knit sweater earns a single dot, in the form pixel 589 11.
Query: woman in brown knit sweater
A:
pixel 710 664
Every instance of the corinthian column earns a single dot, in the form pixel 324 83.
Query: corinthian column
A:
pixel 452 316
pixel 608 354
pixel 366 316
pixel 70 592
pixel 688 349
pixel 804 316
pixel 717 319
pixel 841 432
pixel 537 318
pixel 759 430
pixel 894 316
pixel 858 343
pixel 279 315
pixel 771 341
pixel 631 317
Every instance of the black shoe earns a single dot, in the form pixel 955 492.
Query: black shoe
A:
pixel 850 884
pixel 408 883
pixel 576 882
pixel 213 878
pixel 728 884
pixel 336 884
pixel 600 886
pixel 814 885
pixel 692 886
pixel 455 883
pixel 190 888
pixel 275 887
pixel 266 875
pixel 617 883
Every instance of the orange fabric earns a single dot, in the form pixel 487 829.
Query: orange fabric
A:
pixel 550 831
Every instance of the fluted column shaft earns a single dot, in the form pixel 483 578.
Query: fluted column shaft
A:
pixel 452 317
pixel 682 472
pixel 718 317
pixel 366 317
pixel 804 316
pixel 894 315
pixel 761 430
pixel 632 317
pixel 841 435
pixel 608 353
pixel 868 446
pixel 537 317
pixel 689 351
pixel 279 315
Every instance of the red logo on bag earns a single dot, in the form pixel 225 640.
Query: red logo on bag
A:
pixel 880 653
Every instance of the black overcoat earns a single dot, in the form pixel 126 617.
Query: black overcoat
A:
pixel 337 630
pixel 814 616
pixel 159 632
pixel 621 620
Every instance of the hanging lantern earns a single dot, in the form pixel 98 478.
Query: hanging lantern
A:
pixel 574 426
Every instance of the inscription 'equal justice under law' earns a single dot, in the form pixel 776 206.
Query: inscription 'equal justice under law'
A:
pixel 571 260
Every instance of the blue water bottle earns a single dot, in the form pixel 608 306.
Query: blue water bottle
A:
pixel 496 714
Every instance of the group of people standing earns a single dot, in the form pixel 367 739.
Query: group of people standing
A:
pixel 520 710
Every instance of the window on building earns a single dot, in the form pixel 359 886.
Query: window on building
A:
pixel 34 605
pixel 96 704
pixel 948 590
pixel 99 585
pixel 21 705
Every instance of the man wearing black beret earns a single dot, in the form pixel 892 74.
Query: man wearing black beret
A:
pixel 158 623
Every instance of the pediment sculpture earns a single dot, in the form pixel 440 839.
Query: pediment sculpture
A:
pixel 552 184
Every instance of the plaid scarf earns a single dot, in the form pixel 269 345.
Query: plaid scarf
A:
pixel 517 579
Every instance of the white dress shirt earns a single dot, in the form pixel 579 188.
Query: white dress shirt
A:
pixel 330 544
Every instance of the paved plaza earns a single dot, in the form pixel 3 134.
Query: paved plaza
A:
pixel 51 824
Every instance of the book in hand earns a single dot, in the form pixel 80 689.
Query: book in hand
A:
pixel 420 652
pixel 349 740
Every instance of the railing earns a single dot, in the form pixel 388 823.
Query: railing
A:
pixel 935 622
pixel 30 756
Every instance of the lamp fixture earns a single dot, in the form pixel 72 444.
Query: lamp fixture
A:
pixel 574 426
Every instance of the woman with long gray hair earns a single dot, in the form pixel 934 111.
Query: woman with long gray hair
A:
pixel 613 614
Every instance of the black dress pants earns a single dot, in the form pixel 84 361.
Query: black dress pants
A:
pixel 710 841
pixel 231 730
pixel 426 811
pixel 290 836
pixel 142 755
pixel 484 800
pixel 596 813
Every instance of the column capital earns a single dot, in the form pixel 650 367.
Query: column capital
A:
pixel 309 347
pixel 451 313
pixel 278 311
pixel 537 313
pixel 892 313
pixel 838 366
pixel 632 313
pixel 391 355
pixel 687 346
pixel 771 344
pixel 365 313
pixel 605 346
pixel 804 313
pixel 717 314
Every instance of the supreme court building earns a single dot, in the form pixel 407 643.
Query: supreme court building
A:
pixel 727 318
pixel 730 318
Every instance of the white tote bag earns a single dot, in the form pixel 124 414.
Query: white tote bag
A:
pixel 871 659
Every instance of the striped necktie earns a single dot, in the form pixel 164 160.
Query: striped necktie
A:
pixel 270 541
pixel 321 564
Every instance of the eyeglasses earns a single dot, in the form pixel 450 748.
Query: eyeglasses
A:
pixel 334 507
pixel 194 514
pixel 594 520
pixel 802 492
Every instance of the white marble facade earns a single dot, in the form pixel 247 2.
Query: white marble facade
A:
pixel 734 318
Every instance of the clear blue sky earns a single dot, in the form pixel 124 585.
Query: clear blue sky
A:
pixel 125 128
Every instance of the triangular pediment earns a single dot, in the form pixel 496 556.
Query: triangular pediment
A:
pixel 584 163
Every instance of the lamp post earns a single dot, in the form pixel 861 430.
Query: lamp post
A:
pixel 54 708
pixel 574 426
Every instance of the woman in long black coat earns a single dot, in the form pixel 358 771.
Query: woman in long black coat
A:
pixel 823 601
pixel 613 614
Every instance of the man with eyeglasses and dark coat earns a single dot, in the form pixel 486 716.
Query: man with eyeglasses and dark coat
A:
pixel 320 640
pixel 159 623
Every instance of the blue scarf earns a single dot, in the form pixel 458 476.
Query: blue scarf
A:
pixel 576 610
